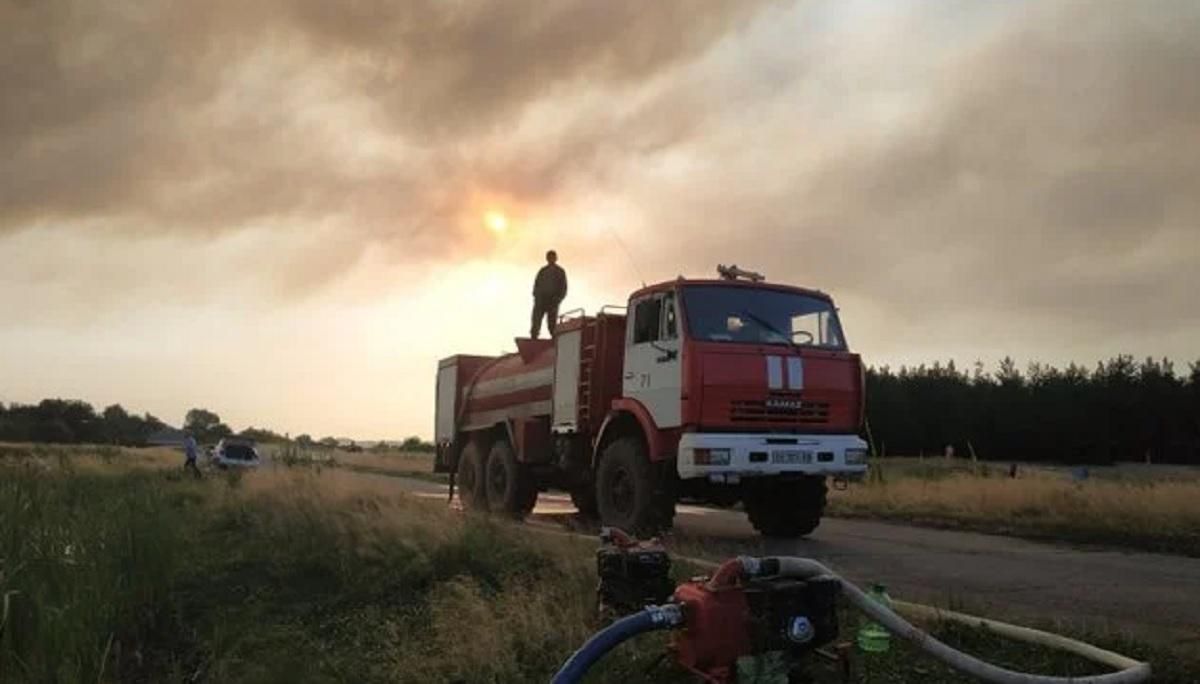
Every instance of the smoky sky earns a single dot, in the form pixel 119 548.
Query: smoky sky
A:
pixel 134 116
pixel 1018 161
pixel 1043 176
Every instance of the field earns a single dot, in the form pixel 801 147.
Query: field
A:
pixel 1150 508
pixel 1133 507
pixel 393 462
pixel 114 566
pixel 282 576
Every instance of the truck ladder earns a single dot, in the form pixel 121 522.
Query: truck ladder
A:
pixel 587 362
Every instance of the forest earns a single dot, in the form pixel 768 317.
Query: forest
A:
pixel 1122 410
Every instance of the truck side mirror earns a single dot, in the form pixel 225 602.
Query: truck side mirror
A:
pixel 667 354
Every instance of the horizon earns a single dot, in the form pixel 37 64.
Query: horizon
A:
pixel 288 214
pixel 1181 370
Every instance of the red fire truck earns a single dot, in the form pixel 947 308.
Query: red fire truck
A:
pixel 709 390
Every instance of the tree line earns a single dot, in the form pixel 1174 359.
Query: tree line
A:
pixel 1122 410
pixel 71 421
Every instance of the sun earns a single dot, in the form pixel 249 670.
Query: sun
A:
pixel 496 222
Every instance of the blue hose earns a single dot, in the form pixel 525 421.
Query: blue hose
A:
pixel 648 620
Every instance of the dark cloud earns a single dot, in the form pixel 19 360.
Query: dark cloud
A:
pixel 211 116
pixel 440 68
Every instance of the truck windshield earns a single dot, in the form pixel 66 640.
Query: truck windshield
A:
pixel 747 315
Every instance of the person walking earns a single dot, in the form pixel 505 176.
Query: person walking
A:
pixel 549 289
pixel 189 454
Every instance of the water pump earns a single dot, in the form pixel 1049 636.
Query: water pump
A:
pixel 783 607
pixel 721 619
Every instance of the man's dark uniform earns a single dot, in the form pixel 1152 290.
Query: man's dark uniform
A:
pixel 549 289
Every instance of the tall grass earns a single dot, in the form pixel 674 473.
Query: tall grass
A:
pixel 86 456
pixel 407 463
pixel 1158 515
pixel 85 563
pixel 278 576
pixel 295 575
pixel 420 594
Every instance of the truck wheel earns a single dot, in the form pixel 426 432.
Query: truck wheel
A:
pixel 631 492
pixel 786 509
pixel 509 488
pixel 470 478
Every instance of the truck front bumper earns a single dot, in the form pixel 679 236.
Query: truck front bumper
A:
pixel 723 457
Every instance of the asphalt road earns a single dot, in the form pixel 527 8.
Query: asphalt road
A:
pixel 1145 594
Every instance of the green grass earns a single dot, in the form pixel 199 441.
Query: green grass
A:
pixel 86 564
pixel 152 577
pixel 904 663
pixel 304 577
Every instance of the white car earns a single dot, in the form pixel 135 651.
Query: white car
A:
pixel 234 453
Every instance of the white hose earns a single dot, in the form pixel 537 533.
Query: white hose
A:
pixel 1018 633
pixel 806 568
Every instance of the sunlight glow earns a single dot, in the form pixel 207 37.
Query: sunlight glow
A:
pixel 496 222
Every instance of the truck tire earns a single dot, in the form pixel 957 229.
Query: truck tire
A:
pixel 470 478
pixel 787 509
pixel 509 488
pixel 632 493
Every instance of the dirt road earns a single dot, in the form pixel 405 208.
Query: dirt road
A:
pixel 1142 593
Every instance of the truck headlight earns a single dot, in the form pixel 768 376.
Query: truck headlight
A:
pixel 856 456
pixel 716 457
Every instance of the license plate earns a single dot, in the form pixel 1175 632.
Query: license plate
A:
pixel 792 457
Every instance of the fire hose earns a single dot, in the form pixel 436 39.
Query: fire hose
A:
pixel 673 615
pixel 648 620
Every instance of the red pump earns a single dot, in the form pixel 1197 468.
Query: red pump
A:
pixel 746 608
pixel 715 617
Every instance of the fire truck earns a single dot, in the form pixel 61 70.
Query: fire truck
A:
pixel 717 391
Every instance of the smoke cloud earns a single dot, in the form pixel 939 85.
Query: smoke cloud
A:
pixel 1036 185
pixel 212 117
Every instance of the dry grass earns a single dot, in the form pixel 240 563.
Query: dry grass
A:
pixel 400 462
pixel 513 605
pixel 387 462
pixel 100 457
pixel 315 575
pixel 1145 513
pixel 504 605
pixel 278 575
pixel 87 456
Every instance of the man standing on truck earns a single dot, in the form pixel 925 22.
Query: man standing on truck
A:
pixel 549 289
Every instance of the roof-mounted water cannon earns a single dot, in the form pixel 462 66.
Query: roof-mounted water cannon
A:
pixel 732 272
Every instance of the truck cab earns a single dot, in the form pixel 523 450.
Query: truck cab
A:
pixel 750 391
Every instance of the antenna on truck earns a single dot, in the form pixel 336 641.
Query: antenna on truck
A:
pixel 617 238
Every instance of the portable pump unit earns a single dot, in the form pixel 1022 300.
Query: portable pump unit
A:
pixel 723 618
pixel 766 616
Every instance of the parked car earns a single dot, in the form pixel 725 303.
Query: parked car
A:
pixel 234 453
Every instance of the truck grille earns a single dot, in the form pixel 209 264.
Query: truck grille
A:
pixel 760 411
